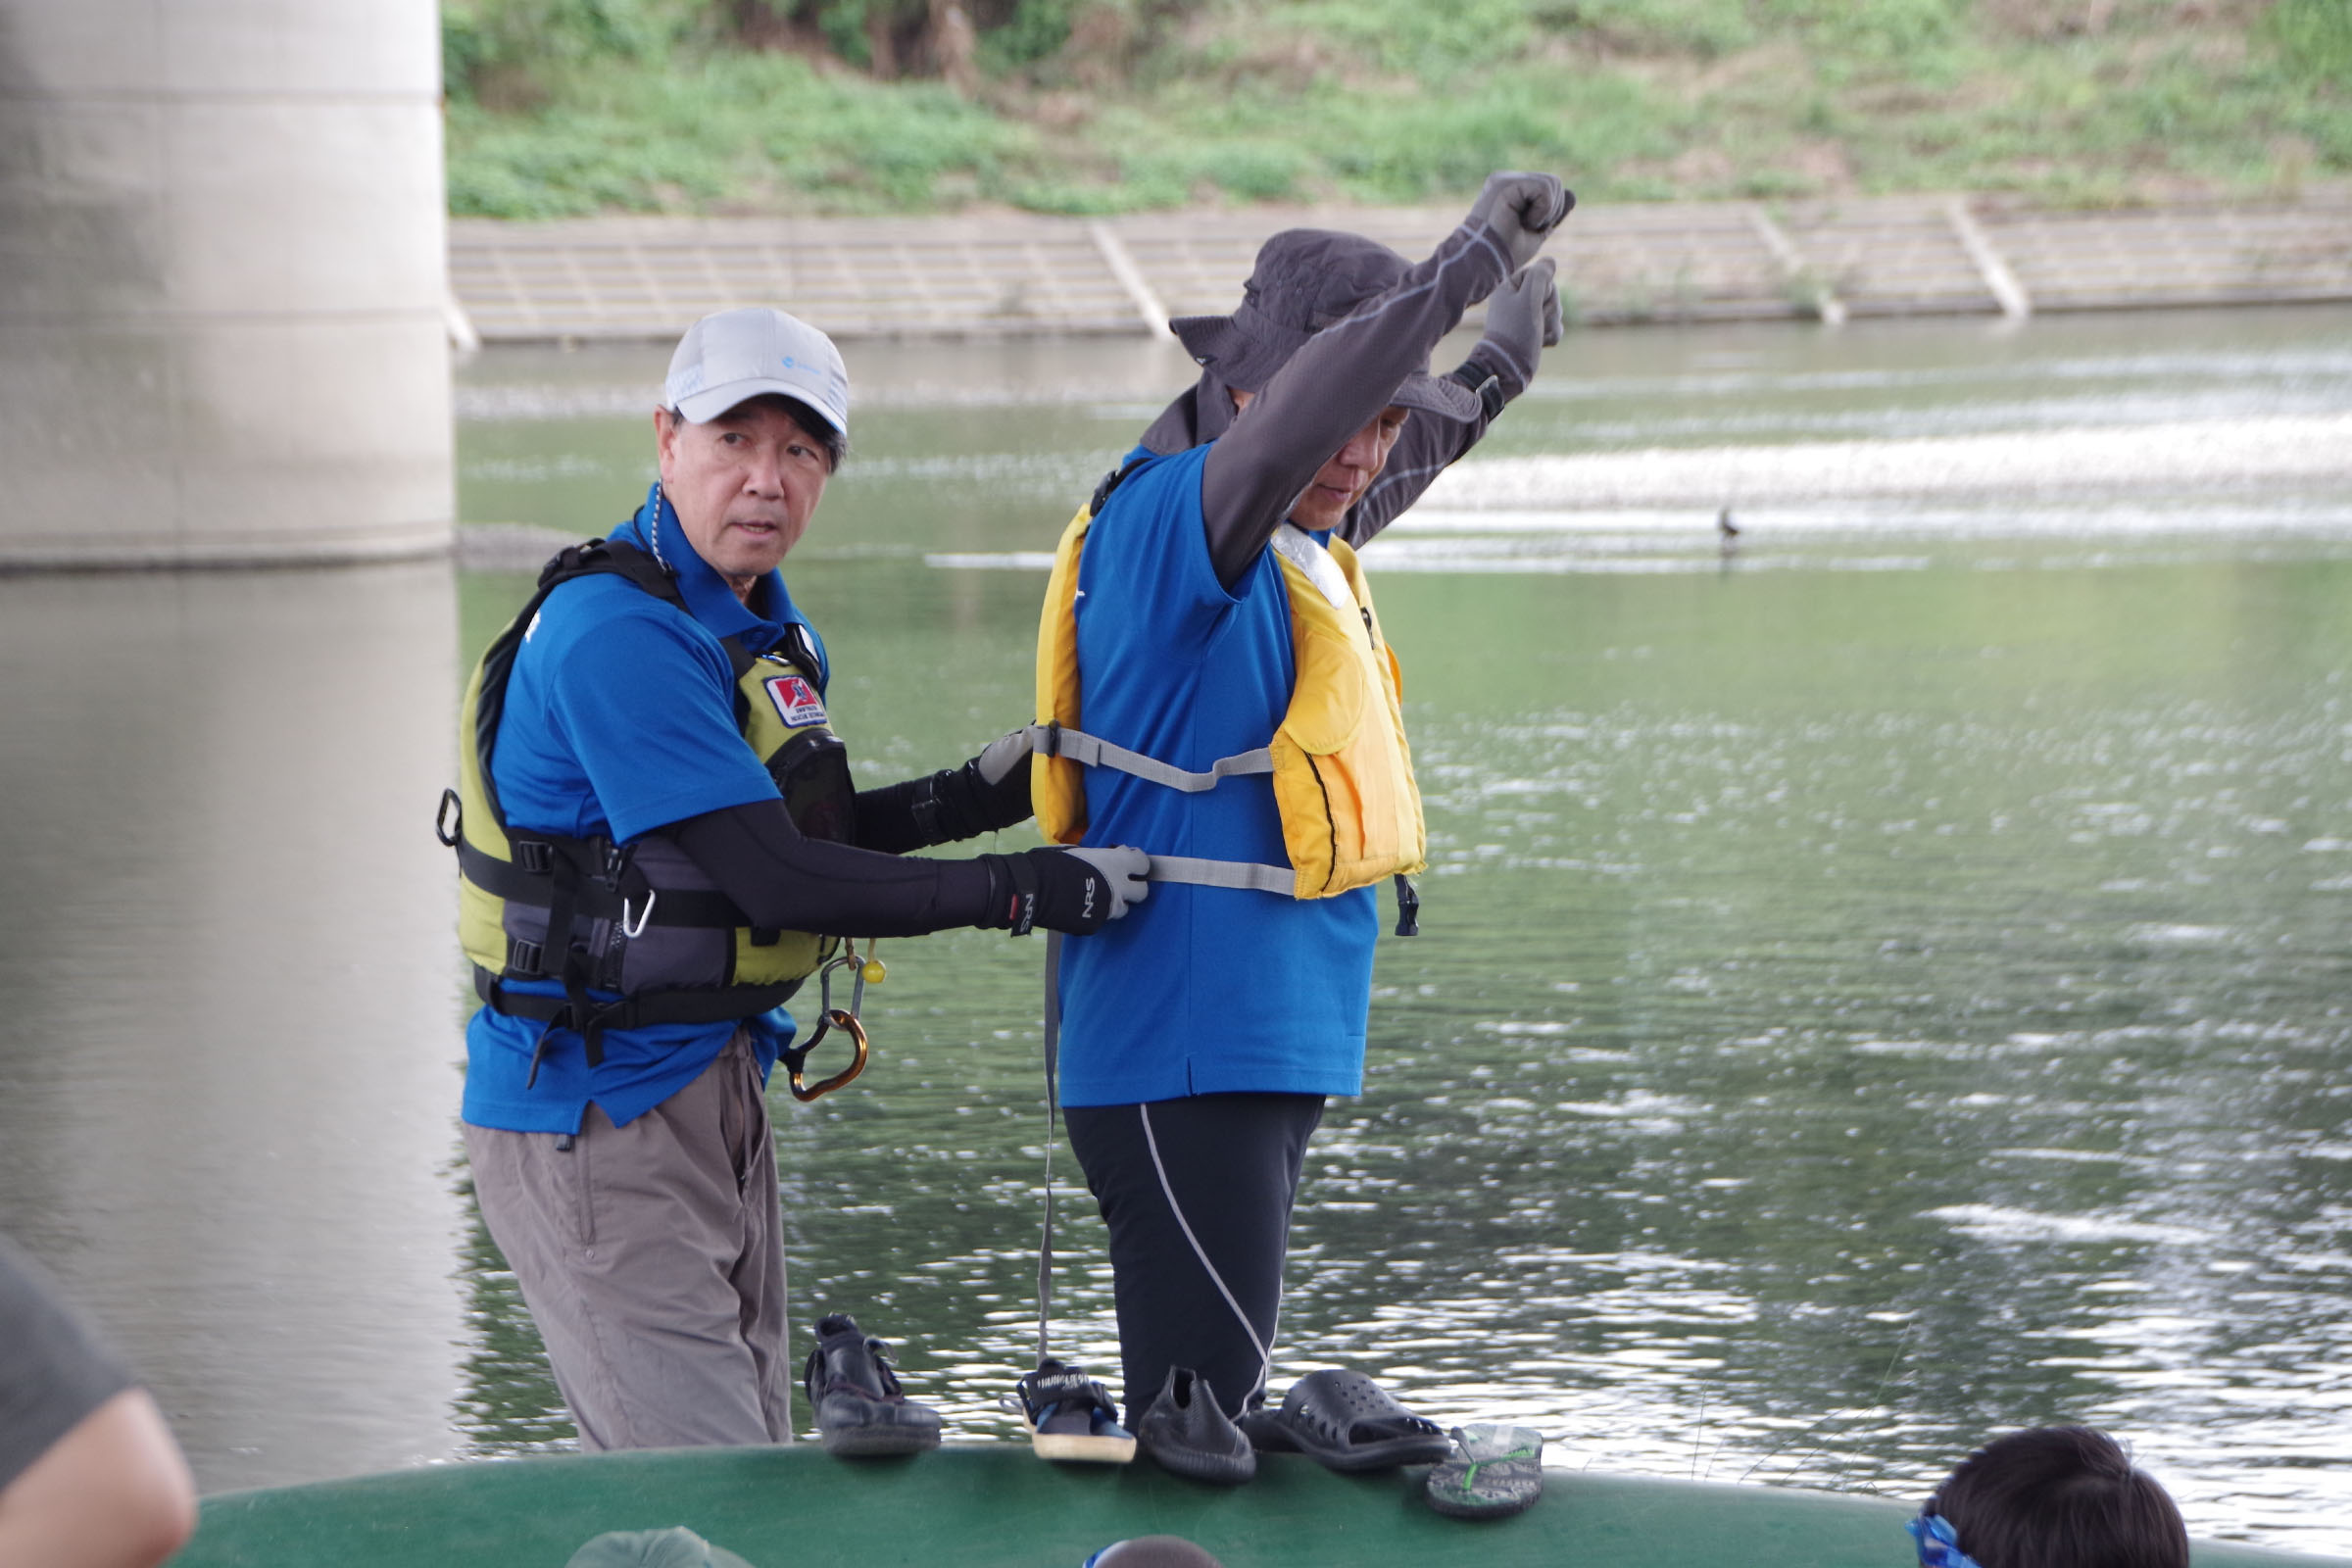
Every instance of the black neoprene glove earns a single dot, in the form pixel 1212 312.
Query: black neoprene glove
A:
pixel 988 793
pixel 1077 891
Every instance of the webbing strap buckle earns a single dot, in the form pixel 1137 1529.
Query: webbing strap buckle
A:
pixel 535 856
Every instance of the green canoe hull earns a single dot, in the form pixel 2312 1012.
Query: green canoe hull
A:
pixel 995 1505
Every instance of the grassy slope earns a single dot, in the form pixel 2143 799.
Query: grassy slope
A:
pixel 2073 101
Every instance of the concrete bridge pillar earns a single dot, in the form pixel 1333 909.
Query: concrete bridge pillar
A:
pixel 223 265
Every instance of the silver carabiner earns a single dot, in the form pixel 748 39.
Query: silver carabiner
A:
pixel 633 932
pixel 845 959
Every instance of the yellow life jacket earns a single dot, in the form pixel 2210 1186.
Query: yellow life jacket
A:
pixel 1342 770
pixel 642 920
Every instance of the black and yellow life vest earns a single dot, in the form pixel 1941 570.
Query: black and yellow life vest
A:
pixel 641 920
pixel 1342 768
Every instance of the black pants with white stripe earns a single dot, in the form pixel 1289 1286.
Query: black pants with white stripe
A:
pixel 1197 1195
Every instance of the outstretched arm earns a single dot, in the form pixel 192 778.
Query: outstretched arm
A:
pixel 986 795
pixel 783 880
pixel 1345 373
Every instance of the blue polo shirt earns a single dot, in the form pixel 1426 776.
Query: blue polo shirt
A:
pixel 1199 990
pixel 620 719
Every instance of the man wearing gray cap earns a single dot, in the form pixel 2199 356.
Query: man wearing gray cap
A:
pixel 1214 687
pixel 658 840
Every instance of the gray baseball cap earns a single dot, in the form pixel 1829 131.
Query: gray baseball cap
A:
pixel 733 356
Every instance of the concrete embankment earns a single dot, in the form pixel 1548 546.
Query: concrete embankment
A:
pixel 1030 275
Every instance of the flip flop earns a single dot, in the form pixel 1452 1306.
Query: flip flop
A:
pixel 1345 1421
pixel 1495 1471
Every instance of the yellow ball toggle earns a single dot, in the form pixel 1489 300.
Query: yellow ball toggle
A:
pixel 873 972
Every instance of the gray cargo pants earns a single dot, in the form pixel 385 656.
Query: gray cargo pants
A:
pixel 652 1258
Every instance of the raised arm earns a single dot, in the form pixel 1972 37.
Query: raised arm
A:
pixel 1523 319
pixel 1348 373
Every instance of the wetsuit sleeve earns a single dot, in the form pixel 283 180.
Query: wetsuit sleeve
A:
pixel 54 1371
pixel 1337 381
pixel 886 820
pixel 1425 447
pixel 784 880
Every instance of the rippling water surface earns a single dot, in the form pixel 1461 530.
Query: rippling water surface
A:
pixel 1879 986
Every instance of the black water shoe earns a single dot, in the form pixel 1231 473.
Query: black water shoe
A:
pixel 861 1411
pixel 1186 1432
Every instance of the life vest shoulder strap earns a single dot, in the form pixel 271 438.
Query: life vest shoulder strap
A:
pixel 594 557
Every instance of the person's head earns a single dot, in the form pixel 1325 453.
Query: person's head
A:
pixel 1348 472
pixel 1305 281
pixel 754 420
pixel 2051 1497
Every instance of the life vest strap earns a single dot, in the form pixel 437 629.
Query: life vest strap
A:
pixel 1253 875
pixel 1092 751
pixel 634 1012
pixel 674 906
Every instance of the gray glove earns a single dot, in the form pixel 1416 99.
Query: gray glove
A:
pixel 1522 210
pixel 1002 754
pixel 1077 891
pixel 1124 869
pixel 1523 318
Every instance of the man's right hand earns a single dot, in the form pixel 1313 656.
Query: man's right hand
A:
pixel 1076 891
pixel 1522 210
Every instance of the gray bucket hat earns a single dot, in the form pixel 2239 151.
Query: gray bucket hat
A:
pixel 1305 280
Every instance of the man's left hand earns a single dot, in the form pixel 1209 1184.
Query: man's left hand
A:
pixel 988 793
pixel 1523 315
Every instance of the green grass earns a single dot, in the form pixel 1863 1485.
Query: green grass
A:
pixel 561 107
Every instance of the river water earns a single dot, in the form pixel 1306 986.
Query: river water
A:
pixel 1881 983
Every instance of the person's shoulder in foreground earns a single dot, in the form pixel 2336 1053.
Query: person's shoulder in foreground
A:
pixel 2050 1497
pixel 89 1476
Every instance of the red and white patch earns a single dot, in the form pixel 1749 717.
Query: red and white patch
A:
pixel 797 702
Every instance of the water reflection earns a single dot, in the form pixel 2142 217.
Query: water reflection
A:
pixel 228 1047
pixel 1857 1010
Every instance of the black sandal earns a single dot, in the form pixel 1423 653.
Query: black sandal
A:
pixel 1345 1421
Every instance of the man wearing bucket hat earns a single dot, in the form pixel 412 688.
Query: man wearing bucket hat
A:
pixel 653 819
pixel 1306 277
pixel 1213 687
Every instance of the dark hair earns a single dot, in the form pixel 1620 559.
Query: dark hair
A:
pixel 2060 1497
pixel 812 423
